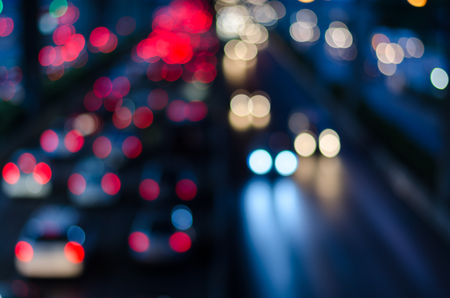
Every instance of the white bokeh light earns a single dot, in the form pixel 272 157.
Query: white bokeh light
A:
pixel 439 78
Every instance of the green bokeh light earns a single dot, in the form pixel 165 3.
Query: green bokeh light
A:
pixel 1 6
pixel 58 8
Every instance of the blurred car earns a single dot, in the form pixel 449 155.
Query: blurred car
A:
pixel 91 184
pixel 161 236
pixel 52 244
pixel 27 175
pixel 168 182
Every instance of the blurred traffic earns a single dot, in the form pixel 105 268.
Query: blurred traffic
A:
pixel 226 148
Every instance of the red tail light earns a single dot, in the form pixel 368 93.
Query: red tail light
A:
pixel 138 242
pixel 186 189
pixel 11 173
pixel 24 251
pixel 42 173
pixel 74 252
pixel 180 242
pixel 110 183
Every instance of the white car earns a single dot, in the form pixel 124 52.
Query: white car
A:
pixel 51 244
pixel 27 175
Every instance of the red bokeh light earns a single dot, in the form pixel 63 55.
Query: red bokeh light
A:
pixel 199 22
pixel 102 147
pixel 74 46
pixel 92 102
pixel 178 111
pixel 171 73
pixel 26 162
pixel 121 86
pixel 6 26
pixel 143 117
pixel 112 102
pixel 163 22
pixel 175 35
pixel 103 86
pixel 205 76
pixel 186 189
pixel 180 242
pixel 99 36
pixel 122 118
pixel 172 47
pixel 47 55
pixel 2 25
pixel 157 99
pixel 11 173
pixel 76 184
pixel 71 16
pixel 138 241
pixel 74 252
pixel 62 34
pixel 49 141
pixel 73 141
pixel 110 45
pixel 149 189
pixel 60 57
pixel 110 184
pixel 42 173
pixel 154 71
pixel 132 147
pixel 197 111
pixel 24 251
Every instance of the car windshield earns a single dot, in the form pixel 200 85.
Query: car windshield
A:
pixel 162 227
pixel 52 237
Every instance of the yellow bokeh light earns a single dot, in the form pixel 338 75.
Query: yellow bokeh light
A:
pixel 305 144
pixel 229 49
pixel 239 123
pixel 239 50
pixel 259 106
pixel 418 3
pixel 241 105
pixel 306 1
pixel 261 122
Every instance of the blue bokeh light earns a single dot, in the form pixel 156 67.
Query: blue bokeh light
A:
pixel 286 163
pixel 182 218
pixel 260 162
pixel 76 234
